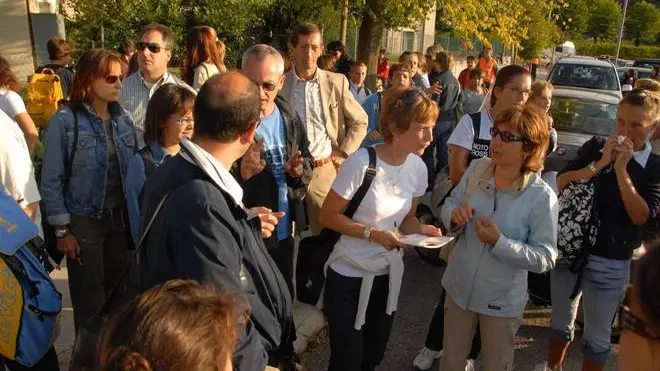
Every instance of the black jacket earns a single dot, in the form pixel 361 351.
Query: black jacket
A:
pixel 261 189
pixel 202 234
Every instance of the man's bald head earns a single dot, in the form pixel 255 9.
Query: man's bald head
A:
pixel 225 107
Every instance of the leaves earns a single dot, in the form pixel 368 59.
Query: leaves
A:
pixel 604 20
pixel 642 22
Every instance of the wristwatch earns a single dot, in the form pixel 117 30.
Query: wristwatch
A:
pixel 61 232
pixel 367 232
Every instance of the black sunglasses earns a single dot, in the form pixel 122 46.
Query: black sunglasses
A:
pixel 153 47
pixel 268 86
pixel 628 321
pixel 112 79
pixel 505 136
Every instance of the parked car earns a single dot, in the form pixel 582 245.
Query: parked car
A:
pixel 587 73
pixel 642 73
pixel 646 62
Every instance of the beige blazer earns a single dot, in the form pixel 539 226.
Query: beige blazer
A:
pixel 345 119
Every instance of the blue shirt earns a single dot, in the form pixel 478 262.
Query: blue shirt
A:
pixel 372 107
pixel 272 132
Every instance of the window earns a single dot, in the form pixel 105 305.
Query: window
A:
pixel 408 41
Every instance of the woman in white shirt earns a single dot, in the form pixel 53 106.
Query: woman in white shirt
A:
pixel 203 56
pixel 12 104
pixel 365 269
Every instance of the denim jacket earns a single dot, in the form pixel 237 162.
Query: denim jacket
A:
pixel 135 179
pixel 85 194
pixel 492 280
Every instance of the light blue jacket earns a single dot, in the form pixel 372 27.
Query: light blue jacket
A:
pixel 85 195
pixel 492 280
pixel 371 106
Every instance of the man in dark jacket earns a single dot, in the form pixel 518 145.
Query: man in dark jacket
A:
pixel 343 66
pixel 279 180
pixel 203 232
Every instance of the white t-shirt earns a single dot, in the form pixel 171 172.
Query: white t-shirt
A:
pixel 463 135
pixel 11 103
pixel 16 171
pixel 387 202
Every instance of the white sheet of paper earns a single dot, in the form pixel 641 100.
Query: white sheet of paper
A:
pixel 425 241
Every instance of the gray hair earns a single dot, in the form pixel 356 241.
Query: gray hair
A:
pixel 260 52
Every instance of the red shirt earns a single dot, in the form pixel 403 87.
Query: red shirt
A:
pixel 464 77
pixel 384 69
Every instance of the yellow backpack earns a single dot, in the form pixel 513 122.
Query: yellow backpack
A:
pixel 44 92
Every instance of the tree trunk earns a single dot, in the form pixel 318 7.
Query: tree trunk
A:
pixel 370 38
pixel 343 23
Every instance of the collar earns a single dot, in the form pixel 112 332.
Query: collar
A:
pixel 353 86
pixel 165 77
pixel 642 156
pixel 159 152
pixel 196 155
pixel 518 185
pixel 313 79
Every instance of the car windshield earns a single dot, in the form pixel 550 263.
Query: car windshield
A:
pixel 585 76
pixel 583 116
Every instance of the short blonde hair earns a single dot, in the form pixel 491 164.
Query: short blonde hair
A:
pixel 396 112
pixel 538 87
pixel 648 84
pixel 531 123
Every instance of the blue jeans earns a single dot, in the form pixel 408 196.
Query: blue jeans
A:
pixel 603 284
pixel 436 155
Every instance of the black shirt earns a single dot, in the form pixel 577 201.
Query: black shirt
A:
pixel 617 235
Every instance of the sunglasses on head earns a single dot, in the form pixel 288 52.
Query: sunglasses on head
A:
pixel 112 79
pixel 153 47
pixel 411 96
pixel 505 136
pixel 628 321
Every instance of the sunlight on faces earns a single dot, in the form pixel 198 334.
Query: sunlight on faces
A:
pixel 506 154
pixel 544 100
pixel 265 73
pixel 635 123
pixel 514 93
pixel 358 74
pixel 105 91
pixel 307 51
pixel 413 61
pixel 154 64
pixel 471 63
pixel 476 82
pixel 416 139
pixel 400 80
pixel 178 126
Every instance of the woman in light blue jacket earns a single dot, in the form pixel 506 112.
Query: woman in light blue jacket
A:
pixel 505 216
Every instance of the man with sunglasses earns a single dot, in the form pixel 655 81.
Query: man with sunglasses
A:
pixel 336 123
pixel 154 53
pixel 279 180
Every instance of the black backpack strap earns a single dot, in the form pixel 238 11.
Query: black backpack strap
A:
pixel 148 160
pixel 476 124
pixel 68 169
pixel 369 176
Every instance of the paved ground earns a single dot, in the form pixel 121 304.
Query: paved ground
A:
pixel 421 290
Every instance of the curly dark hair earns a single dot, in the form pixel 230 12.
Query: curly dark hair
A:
pixel 7 77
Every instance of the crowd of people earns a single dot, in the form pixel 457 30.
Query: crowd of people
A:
pixel 176 201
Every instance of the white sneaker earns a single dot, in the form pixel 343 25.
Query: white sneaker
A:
pixel 469 365
pixel 543 367
pixel 425 358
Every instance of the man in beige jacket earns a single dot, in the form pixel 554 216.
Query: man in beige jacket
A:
pixel 336 123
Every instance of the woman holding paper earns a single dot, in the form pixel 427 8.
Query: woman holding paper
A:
pixel 507 219
pixel 365 269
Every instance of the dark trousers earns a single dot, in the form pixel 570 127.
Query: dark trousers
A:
pixel 434 338
pixel 436 156
pixel 106 250
pixel 48 362
pixel 282 254
pixel 351 349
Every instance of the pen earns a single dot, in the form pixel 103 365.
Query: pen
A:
pixel 396 231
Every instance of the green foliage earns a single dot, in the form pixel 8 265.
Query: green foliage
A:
pixel 546 34
pixel 642 22
pixel 604 20
pixel 572 18
pixel 628 51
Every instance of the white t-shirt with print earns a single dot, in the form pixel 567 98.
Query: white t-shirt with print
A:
pixel 11 103
pixel 385 204
pixel 463 135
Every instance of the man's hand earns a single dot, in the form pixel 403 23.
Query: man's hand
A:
pixel 294 167
pixel 373 135
pixel 338 157
pixel 487 230
pixel 269 220
pixel 434 89
pixel 461 216
pixel 68 245
pixel 252 163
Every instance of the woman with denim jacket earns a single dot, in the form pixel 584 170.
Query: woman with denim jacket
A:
pixel 507 225
pixel 169 118
pixel 82 184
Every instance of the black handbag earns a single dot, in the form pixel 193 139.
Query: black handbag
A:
pixel 85 349
pixel 313 252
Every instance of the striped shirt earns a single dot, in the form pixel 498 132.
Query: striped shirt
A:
pixel 306 101
pixel 135 94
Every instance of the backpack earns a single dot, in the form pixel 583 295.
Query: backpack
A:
pixel 44 92
pixel 30 302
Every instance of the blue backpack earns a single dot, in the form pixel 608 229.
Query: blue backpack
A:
pixel 29 302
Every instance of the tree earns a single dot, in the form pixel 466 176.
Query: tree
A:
pixel 604 19
pixel 572 18
pixel 546 34
pixel 642 22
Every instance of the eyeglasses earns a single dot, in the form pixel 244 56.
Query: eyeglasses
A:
pixel 153 47
pixel 630 322
pixel 505 136
pixel 183 121
pixel 112 79
pixel 267 86
pixel 519 91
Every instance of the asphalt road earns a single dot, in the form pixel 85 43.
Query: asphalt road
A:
pixel 419 296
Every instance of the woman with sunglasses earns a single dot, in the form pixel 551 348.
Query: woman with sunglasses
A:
pixel 203 56
pixel 505 219
pixel 365 269
pixel 87 149
pixel 627 197
pixel 169 119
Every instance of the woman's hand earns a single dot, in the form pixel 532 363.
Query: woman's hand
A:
pixel 624 152
pixel 461 216
pixel 608 152
pixel 374 136
pixel 388 239
pixel 487 230
pixel 68 245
